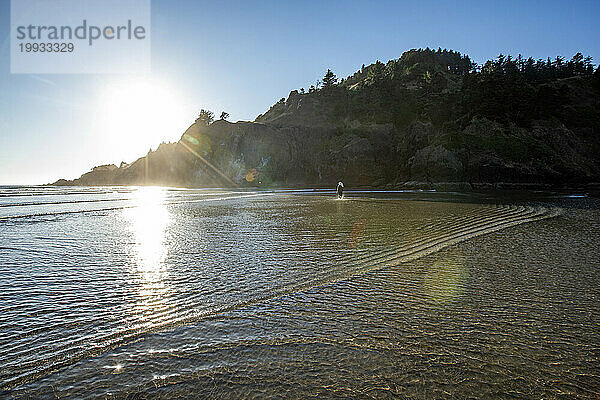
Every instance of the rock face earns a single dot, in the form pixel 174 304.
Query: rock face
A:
pixel 437 164
pixel 418 135
pixel 264 154
pixel 257 154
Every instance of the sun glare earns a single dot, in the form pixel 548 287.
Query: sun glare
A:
pixel 138 114
pixel 149 220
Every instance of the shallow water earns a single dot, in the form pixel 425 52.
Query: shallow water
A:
pixel 172 292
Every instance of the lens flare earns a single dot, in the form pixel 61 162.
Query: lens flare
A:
pixel 356 234
pixel 445 279
pixel 251 175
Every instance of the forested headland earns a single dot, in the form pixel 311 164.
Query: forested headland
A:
pixel 427 117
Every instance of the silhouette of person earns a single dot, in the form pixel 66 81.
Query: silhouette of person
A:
pixel 340 190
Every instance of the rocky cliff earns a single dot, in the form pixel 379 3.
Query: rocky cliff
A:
pixel 421 118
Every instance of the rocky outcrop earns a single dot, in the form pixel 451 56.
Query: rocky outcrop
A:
pixel 297 110
pixel 406 136
pixel 437 164
pixel 260 154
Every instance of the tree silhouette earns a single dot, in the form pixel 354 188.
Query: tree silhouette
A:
pixel 329 80
pixel 224 115
pixel 558 61
pixel 588 66
pixel 205 118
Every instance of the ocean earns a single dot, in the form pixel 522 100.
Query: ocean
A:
pixel 136 292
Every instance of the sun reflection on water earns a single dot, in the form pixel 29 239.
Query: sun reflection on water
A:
pixel 149 222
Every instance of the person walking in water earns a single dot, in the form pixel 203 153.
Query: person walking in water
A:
pixel 340 190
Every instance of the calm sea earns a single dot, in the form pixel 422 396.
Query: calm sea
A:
pixel 156 292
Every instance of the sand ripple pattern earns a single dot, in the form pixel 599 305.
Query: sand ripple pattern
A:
pixel 73 285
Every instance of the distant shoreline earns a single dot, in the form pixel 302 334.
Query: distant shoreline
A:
pixel 411 185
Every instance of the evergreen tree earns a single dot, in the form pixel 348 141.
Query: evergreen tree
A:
pixel 577 64
pixel 205 118
pixel 224 115
pixel 329 80
pixel 588 66
pixel 376 72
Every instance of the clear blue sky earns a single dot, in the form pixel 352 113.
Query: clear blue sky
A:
pixel 242 56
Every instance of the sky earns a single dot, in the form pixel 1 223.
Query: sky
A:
pixel 242 57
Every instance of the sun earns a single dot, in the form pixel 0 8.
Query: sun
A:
pixel 136 114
